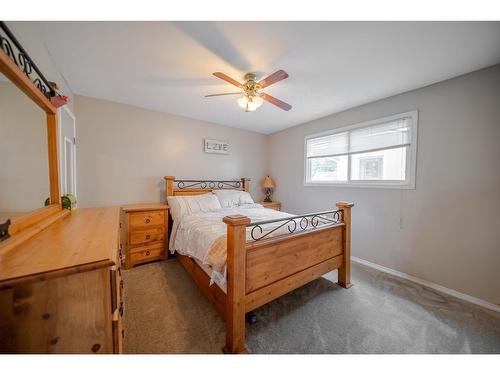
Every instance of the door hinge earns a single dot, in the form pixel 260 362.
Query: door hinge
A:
pixel 74 140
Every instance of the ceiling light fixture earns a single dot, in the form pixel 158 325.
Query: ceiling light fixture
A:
pixel 250 103
pixel 252 97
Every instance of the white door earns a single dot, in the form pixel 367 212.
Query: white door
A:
pixel 67 151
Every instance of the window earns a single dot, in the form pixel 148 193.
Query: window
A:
pixel 379 153
pixel 371 167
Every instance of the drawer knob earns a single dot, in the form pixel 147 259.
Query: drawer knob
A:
pixel 148 221
pixel 148 236
pixel 148 252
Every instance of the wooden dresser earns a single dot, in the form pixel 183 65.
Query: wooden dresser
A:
pixel 272 205
pixel 144 231
pixel 61 291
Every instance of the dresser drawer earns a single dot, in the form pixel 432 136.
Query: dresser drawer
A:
pixel 143 219
pixel 144 253
pixel 144 236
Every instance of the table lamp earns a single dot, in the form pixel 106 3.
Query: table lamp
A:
pixel 268 186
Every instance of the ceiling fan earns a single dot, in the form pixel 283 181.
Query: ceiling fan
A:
pixel 252 97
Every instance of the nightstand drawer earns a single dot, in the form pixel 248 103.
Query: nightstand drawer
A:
pixel 142 219
pixel 272 205
pixel 140 254
pixel 138 237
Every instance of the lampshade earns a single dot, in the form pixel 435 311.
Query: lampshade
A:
pixel 250 106
pixel 268 183
pixel 257 100
pixel 243 101
pixel 250 103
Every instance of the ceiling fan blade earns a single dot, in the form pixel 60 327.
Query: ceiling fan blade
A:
pixel 227 93
pixel 227 79
pixel 276 102
pixel 273 78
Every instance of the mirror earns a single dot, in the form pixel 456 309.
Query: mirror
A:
pixel 24 161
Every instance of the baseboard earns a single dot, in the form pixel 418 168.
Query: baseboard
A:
pixel 429 284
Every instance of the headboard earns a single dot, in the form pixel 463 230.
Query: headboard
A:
pixel 196 187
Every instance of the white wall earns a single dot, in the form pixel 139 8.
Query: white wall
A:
pixel 447 230
pixel 24 160
pixel 123 152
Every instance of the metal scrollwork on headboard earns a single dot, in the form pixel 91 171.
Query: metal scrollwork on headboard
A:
pixel 13 49
pixel 208 184
pixel 296 223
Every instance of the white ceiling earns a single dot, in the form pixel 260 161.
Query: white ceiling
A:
pixel 167 66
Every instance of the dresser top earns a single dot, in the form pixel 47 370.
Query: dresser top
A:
pixel 145 207
pixel 85 239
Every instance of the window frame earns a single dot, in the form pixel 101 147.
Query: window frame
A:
pixel 411 156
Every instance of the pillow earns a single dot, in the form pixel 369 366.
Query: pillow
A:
pixel 245 198
pixel 233 198
pixel 185 205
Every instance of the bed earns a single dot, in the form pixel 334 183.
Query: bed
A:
pixel 244 257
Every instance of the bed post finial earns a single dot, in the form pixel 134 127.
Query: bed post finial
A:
pixel 169 188
pixel 344 278
pixel 245 182
pixel 236 267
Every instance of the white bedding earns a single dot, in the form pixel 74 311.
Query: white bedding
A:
pixel 202 235
pixel 208 270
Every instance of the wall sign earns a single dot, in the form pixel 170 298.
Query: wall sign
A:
pixel 213 146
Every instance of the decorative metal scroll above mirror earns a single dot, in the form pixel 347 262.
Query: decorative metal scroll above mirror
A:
pixel 12 48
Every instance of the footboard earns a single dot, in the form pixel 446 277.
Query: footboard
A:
pixel 267 267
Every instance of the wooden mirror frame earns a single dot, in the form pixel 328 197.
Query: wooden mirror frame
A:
pixel 26 226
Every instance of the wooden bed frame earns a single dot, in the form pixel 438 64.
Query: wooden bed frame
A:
pixel 263 269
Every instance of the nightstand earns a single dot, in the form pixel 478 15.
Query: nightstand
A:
pixel 144 232
pixel 272 205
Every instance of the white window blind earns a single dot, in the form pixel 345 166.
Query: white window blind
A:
pixel 335 144
pixel 380 152
pixel 386 135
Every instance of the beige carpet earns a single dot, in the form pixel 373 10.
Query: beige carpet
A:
pixel 166 313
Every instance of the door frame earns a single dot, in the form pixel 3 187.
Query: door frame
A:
pixel 62 145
